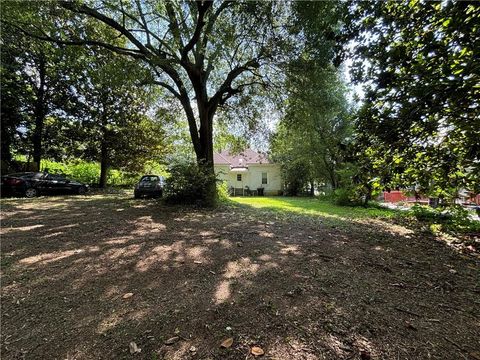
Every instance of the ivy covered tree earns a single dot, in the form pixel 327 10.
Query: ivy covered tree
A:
pixel 420 119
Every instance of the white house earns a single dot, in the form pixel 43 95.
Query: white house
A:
pixel 248 172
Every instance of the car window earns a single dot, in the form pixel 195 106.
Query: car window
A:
pixel 149 179
pixel 56 177
pixel 38 175
pixel 23 175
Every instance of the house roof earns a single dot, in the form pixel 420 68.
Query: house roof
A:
pixel 243 159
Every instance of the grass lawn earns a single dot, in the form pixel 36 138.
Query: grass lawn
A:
pixel 314 206
pixel 84 277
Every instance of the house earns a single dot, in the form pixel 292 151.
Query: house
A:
pixel 248 172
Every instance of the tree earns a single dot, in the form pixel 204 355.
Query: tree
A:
pixel 316 125
pixel 114 104
pixel 13 93
pixel 311 140
pixel 37 80
pixel 201 52
pixel 419 122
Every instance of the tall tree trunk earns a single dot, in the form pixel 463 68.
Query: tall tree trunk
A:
pixel 39 114
pixel 312 188
pixel 104 164
pixel 205 154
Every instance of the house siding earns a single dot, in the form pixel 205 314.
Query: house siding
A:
pixel 252 177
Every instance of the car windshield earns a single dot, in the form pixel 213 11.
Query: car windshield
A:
pixel 149 179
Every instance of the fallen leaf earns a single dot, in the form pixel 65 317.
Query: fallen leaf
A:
pixel 257 351
pixel 134 348
pixel 193 349
pixel 172 340
pixel 127 295
pixel 227 343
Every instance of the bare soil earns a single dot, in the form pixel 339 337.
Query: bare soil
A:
pixel 298 287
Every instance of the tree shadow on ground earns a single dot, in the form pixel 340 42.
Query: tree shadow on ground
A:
pixel 299 287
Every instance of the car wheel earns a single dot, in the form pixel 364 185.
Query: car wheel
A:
pixel 31 192
pixel 82 190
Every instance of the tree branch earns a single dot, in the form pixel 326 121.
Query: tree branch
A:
pixel 202 9
pixel 83 9
pixel 232 75
pixel 124 51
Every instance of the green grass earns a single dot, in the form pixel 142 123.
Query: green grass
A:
pixel 313 206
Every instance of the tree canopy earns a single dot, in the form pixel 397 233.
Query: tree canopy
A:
pixel 419 122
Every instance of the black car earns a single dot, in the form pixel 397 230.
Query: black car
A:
pixel 149 185
pixel 31 184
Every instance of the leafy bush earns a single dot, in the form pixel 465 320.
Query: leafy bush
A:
pixel 348 196
pixel 89 172
pixel 453 218
pixel 86 172
pixel 222 191
pixel 83 171
pixel 426 213
pixel 187 184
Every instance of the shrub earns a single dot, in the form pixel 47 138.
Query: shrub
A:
pixel 187 184
pixel 426 213
pixel 348 197
pixel 453 218
pixel 89 172
pixel 83 171
pixel 222 191
pixel 86 172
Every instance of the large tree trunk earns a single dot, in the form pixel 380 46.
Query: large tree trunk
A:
pixel 205 154
pixel 39 114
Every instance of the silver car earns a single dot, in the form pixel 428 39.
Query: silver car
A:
pixel 149 186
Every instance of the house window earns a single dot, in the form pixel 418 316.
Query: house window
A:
pixel 264 178
pixel 239 177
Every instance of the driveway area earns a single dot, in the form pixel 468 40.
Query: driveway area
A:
pixel 110 277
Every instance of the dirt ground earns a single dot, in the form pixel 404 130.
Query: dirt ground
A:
pixel 298 287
